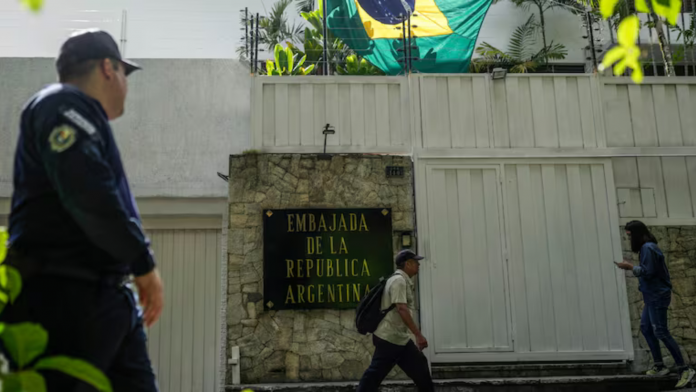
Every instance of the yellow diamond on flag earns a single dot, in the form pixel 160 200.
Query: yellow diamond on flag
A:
pixel 385 212
pixel 269 213
pixel 270 304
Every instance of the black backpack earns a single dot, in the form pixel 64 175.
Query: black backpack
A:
pixel 369 313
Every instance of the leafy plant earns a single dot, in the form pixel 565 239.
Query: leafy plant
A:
pixel 338 51
pixel 542 6
pixel 33 5
pixel 521 56
pixel 25 342
pixel 313 48
pixel 688 34
pixel 355 65
pixel 625 55
pixel 275 27
pixel 305 5
pixel 286 63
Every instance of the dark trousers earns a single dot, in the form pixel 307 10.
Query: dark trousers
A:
pixel 94 322
pixel 409 358
pixel 653 325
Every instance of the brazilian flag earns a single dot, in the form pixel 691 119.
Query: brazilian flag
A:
pixel 444 32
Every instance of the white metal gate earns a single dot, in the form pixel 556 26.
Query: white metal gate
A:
pixel 185 344
pixel 468 264
pixel 549 261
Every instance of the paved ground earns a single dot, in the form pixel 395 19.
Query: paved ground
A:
pixel 629 383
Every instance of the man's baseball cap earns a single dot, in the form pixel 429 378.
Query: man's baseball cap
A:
pixel 91 44
pixel 406 255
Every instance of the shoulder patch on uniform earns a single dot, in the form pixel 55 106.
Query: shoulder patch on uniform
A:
pixel 80 121
pixel 62 137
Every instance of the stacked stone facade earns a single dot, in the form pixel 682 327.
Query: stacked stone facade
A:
pixel 309 345
pixel 322 345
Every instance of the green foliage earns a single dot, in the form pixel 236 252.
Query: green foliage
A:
pixel 33 5
pixel 286 63
pixel 627 54
pixel 355 65
pixel 313 48
pixel 76 368
pixel 343 59
pixel 521 56
pixel 25 342
pixel 29 381
pixel 305 5
pixel 4 237
pixel 338 51
pixel 275 28
pixel 689 35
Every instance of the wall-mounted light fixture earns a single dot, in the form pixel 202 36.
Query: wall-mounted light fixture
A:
pixel 498 73
pixel 406 240
pixel 328 130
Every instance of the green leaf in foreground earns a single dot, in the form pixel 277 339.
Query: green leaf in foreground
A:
pixel 77 368
pixel 29 381
pixel 25 342
pixel 14 281
pixel 3 243
pixel 34 5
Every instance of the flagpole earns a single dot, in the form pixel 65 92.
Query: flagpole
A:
pixel 326 32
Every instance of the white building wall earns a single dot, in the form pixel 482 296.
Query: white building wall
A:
pixel 183 119
pixel 150 29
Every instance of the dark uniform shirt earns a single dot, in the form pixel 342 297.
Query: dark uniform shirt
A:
pixel 72 208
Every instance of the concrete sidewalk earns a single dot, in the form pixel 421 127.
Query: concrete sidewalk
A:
pixel 628 383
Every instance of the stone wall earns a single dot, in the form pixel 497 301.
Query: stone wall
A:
pixel 316 345
pixel 679 247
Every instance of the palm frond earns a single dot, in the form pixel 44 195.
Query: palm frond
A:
pixel 577 7
pixel 523 39
pixel 520 56
pixel 525 67
pixel 524 4
pixel 278 10
pixel 275 28
pixel 491 57
pixel 551 52
pixel 305 6
pixel 489 51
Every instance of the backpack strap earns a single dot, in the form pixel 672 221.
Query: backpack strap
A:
pixel 392 306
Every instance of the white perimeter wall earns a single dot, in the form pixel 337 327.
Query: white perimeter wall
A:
pixel 183 119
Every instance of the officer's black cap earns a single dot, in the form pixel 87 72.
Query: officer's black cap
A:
pixel 91 45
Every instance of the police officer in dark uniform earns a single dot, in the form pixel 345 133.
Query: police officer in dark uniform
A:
pixel 75 232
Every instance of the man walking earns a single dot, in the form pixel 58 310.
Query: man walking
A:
pixel 75 233
pixel 656 286
pixel 393 345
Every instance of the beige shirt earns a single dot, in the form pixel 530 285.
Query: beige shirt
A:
pixel 398 290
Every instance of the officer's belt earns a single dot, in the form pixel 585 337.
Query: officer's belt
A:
pixel 29 267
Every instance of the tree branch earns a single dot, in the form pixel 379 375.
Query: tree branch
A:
pixel 665 48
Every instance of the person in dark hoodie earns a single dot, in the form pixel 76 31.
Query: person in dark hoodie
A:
pixel 656 286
